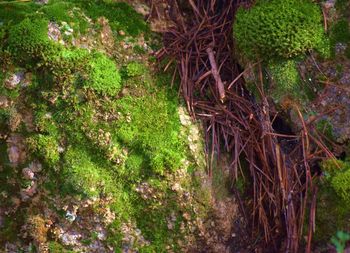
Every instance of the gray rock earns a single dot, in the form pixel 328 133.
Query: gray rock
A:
pixel 345 79
pixel 14 80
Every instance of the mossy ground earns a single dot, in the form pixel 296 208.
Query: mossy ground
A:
pixel 102 124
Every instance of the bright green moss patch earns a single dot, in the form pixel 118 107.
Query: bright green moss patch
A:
pixel 103 75
pixel 338 175
pixel 83 175
pixel 28 40
pixel 46 147
pixel 135 69
pixel 278 28
pixel 59 11
pixel 153 127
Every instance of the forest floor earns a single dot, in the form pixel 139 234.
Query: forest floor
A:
pixel 100 153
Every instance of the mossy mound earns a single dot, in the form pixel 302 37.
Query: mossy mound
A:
pixel 101 125
pixel 278 29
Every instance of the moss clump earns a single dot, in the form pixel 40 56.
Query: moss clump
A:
pixel 121 16
pixel 153 128
pixel 16 11
pixel 134 165
pixel 325 127
pixel 338 175
pixel 81 174
pixel 135 69
pixel 285 77
pixel 340 31
pixel 103 75
pixel 29 41
pixel 278 28
pixel 58 11
pixel 333 192
pixel 46 147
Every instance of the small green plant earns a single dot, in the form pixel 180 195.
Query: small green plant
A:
pixel 340 241
pixel 330 194
pixel 81 174
pixel 58 11
pixel 103 75
pixel 121 15
pixel 46 147
pixel 28 40
pixel 135 69
pixel 278 29
pixel 285 77
pixel 340 31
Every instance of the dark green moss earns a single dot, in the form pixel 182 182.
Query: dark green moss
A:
pixel 325 127
pixel 15 12
pixel 55 247
pixel 340 31
pixel 334 193
pixel 59 11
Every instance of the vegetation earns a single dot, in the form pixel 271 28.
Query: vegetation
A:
pixel 103 75
pixel 285 77
pixel 333 192
pixel 99 132
pixel 340 241
pixel 278 29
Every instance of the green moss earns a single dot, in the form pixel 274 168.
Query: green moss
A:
pixel 285 77
pixel 341 184
pixel 55 247
pixel 58 11
pixel 65 11
pixel 347 51
pixel 45 146
pixel 340 31
pixel 83 175
pixel 103 75
pixel 135 69
pixel 121 16
pixel 28 40
pixel 45 124
pixel 15 12
pixel 334 193
pixel 341 5
pixel 278 28
pixel 134 167
pixel 325 127
pixel 153 128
